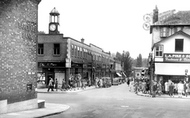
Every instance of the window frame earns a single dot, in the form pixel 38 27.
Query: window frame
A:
pixel 164 32
pixel 40 49
pixel 55 51
pixel 177 45
pixel 160 51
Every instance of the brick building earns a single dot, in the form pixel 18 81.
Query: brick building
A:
pixel 62 57
pixel 18 64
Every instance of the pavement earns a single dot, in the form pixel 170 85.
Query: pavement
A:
pixel 163 96
pixel 44 90
pixel 50 108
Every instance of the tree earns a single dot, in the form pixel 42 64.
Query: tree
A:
pixel 127 63
pixel 139 61
pixel 126 60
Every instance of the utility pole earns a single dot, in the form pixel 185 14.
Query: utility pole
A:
pixel 151 67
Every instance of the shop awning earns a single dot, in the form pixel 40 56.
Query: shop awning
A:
pixel 124 74
pixel 118 74
pixel 171 68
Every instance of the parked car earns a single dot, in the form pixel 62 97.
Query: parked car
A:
pixel 116 81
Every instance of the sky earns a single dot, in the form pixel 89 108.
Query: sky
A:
pixel 113 25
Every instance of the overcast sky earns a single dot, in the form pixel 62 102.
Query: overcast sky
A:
pixel 113 25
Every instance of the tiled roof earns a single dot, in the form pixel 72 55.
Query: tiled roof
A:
pixel 179 18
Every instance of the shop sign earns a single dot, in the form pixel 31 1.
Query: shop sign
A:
pixel 177 57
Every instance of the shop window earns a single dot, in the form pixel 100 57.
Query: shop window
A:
pixel 159 50
pixel 41 49
pixel 164 32
pixel 179 45
pixel 56 49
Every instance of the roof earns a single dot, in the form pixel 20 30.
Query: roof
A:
pixel 54 12
pixel 179 32
pixel 180 18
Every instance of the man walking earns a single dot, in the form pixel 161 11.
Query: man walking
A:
pixel 50 85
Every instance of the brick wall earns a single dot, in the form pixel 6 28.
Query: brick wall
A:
pixel 18 41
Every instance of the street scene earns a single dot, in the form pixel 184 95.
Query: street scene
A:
pixel 94 59
pixel 116 102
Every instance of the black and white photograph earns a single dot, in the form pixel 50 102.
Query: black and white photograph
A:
pixel 94 59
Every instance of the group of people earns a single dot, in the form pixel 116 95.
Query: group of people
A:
pixel 180 89
pixel 158 87
pixel 102 82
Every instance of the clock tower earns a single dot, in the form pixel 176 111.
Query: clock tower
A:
pixel 54 21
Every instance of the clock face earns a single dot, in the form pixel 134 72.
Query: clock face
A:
pixel 52 27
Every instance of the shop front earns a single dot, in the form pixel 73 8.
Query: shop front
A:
pixel 47 70
pixel 175 72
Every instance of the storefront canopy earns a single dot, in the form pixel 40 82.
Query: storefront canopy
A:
pixel 172 68
pixel 118 74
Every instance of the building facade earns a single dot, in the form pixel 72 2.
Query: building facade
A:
pixel 18 60
pixel 63 57
pixel 170 46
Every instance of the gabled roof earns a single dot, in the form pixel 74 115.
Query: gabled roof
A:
pixel 179 32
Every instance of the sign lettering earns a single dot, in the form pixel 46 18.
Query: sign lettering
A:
pixel 177 57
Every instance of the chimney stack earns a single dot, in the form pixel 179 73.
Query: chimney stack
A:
pixel 155 15
pixel 82 40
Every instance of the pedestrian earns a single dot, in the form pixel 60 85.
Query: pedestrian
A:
pixel 159 89
pixel 180 89
pixel 171 89
pixel 56 84
pixel 185 88
pixel 166 87
pixel 63 87
pixel 131 85
pixel 154 89
pixel 128 81
pixel 50 85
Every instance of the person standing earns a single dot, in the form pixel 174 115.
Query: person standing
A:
pixel 171 89
pixel 56 84
pixel 166 87
pixel 50 85
pixel 63 87
pixel 180 89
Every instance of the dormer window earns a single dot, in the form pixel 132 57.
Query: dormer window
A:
pixel 164 32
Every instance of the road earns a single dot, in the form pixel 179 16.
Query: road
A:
pixel 117 102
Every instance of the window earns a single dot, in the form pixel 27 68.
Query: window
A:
pixel 75 50
pixel 40 48
pixel 72 49
pixel 78 48
pixel 159 50
pixel 164 32
pixel 179 45
pixel 56 49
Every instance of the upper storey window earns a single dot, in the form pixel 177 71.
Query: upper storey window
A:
pixel 159 50
pixel 41 49
pixel 164 32
pixel 179 45
pixel 57 49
